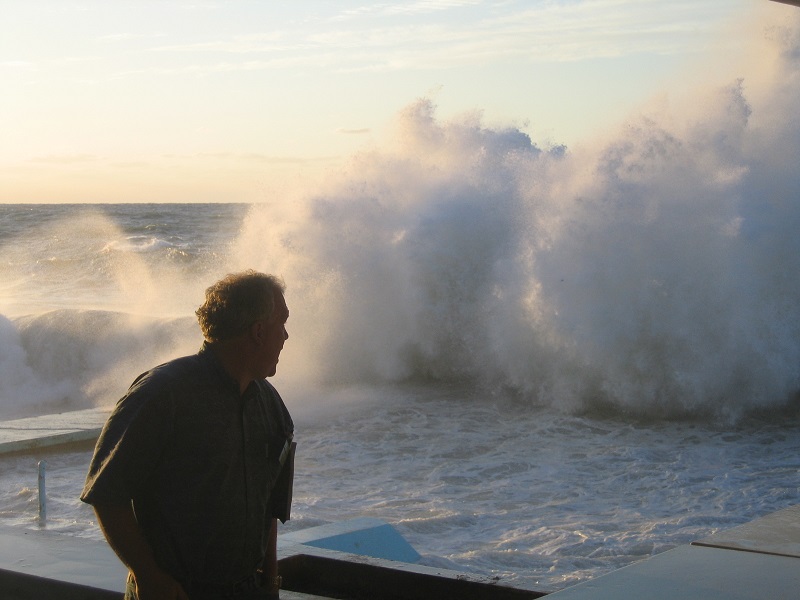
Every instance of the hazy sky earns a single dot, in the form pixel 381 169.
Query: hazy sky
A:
pixel 120 101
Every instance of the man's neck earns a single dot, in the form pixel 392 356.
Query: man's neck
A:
pixel 234 361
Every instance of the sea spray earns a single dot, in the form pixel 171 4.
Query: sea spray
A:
pixel 653 274
pixel 94 295
pixel 634 273
pixel 22 390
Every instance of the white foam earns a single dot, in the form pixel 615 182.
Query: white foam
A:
pixel 653 271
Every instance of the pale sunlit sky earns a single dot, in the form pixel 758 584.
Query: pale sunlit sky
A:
pixel 213 101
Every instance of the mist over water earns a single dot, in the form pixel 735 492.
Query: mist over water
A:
pixel 537 361
pixel 90 296
pixel 654 273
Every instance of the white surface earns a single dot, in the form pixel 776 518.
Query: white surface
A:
pixel 50 430
pixel 696 573
pixel 777 533
pixel 60 557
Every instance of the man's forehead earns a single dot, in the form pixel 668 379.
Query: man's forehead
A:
pixel 281 309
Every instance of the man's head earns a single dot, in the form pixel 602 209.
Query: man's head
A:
pixel 244 316
pixel 237 301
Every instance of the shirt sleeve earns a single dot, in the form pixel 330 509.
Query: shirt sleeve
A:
pixel 280 501
pixel 130 443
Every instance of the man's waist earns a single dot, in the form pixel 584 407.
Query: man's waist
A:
pixel 202 590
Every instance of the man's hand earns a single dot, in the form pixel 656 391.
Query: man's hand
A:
pixel 158 585
pixel 118 523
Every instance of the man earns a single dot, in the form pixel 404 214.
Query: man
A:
pixel 183 478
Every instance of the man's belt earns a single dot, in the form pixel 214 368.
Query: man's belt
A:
pixel 205 589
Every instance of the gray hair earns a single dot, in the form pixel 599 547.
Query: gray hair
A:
pixel 237 301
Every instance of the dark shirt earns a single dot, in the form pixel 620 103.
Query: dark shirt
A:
pixel 199 462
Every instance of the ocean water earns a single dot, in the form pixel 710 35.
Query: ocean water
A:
pixel 539 363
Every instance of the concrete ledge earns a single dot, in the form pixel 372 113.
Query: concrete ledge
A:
pixel 40 565
pixel 695 573
pixel 331 574
pixel 33 433
pixel 777 533
pixel 60 557
pixel 20 586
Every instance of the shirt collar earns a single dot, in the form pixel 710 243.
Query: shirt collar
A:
pixel 213 363
pixel 209 358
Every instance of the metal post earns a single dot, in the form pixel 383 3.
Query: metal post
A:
pixel 42 493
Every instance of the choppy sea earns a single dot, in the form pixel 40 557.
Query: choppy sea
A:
pixel 538 363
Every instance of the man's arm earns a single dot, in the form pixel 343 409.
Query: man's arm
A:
pixel 270 564
pixel 118 523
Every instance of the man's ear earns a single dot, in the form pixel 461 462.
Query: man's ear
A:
pixel 257 332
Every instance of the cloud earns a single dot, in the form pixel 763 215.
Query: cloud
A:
pixel 353 131
pixel 21 65
pixel 440 34
pixel 257 157
pixel 64 159
pixel 409 8
pixel 132 165
pixel 125 37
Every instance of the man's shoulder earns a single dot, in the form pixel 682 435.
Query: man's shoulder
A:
pixel 178 367
pixel 183 370
pixel 268 392
pixel 275 403
pixel 266 387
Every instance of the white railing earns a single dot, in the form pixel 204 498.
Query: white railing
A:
pixel 42 493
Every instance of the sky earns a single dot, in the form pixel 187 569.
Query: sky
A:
pixel 232 101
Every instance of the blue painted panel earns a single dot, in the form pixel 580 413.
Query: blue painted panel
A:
pixel 364 536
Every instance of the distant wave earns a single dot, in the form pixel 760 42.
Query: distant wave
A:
pixel 651 273
pixel 70 359
pixel 141 243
